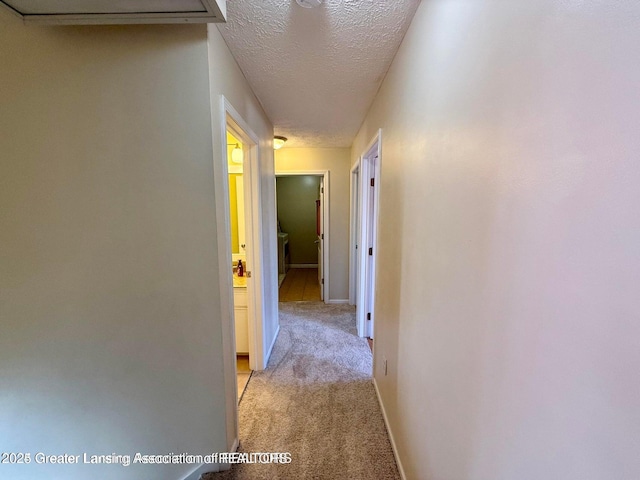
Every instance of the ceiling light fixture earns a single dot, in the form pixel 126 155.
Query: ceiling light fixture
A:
pixel 309 3
pixel 236 154
pixel 278 142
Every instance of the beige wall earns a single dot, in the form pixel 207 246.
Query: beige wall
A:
pixel 296 199
pixel 336 160
pixel 109 293
pixel 510 241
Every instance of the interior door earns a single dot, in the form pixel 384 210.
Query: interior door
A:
pixel 369 266
pixel 357 212
pixel 320 240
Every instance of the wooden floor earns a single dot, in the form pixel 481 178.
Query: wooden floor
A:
pixel 244 373
pixel 300 284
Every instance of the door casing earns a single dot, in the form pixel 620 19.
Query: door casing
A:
pixel 231 120
pixel 365 236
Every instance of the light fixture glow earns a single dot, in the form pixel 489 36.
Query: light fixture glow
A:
pixel 278 142
pixel 237 156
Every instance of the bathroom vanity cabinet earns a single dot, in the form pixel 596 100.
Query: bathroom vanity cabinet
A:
pixel 241 318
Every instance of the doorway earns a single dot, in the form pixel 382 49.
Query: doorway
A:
pixel 365 187
pixel 302 199
pixel 238 227
pixel 244 139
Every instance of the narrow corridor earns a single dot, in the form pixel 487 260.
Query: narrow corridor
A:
pixel 316 401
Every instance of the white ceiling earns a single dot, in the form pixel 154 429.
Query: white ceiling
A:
pixel 316 71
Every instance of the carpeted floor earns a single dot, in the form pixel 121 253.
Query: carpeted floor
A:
pixel 315 400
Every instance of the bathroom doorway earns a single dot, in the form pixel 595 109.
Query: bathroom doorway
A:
pixel 238 227
pixel 259 239
pixel 253 291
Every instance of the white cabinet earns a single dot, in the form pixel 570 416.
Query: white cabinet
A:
pixel 242 319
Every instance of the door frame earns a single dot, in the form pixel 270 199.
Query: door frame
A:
pixel 370 163
pixel 325 219
pixel 354 222
pixel 231 120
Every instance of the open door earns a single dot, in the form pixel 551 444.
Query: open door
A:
pixel 320 240
pixel 369 243
pixel 365 177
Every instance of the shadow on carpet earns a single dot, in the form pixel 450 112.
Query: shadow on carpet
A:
pixel 315 400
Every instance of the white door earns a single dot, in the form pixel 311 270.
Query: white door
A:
pixel 370 236
pixel 366 223
pixel 320 239
pixel 354 274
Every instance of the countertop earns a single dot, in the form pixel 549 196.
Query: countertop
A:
pixel 239 282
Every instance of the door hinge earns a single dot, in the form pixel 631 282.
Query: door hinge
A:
pixel 322 236
pixel 369 316
pixel 322 190
pixel 322 282
pixel 373 182
pixel 371 251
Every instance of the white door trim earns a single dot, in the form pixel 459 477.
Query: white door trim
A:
pixel 325 220
pixel 230 119
pixel 370 163
pixel 354 196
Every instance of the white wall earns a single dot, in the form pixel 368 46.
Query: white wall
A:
pixel 336 160
pixel 109 295
pixel 507 303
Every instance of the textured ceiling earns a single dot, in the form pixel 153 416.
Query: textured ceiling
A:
pixel 316 71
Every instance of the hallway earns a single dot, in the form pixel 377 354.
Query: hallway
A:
pixel 315 400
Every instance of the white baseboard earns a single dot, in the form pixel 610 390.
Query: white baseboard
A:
pixel 275 337
pixel 391 439
pixel 234 448
pixel 211 467
pixel 202 469
pixel 338 301
pixel 303 265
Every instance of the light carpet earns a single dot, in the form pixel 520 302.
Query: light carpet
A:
pixel 315 400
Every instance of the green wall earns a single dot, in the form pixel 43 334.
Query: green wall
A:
pixel 297 197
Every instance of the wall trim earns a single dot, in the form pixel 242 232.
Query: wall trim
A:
pixel 211 467
pixel 232 120
pixel 201 470
pixel 338 301
pixel 370 167
pixel 354 221
pixel 389 432
pixel 228 118
pixel 303 265
pixel 275 337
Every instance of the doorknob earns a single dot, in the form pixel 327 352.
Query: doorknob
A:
pixel 317 241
